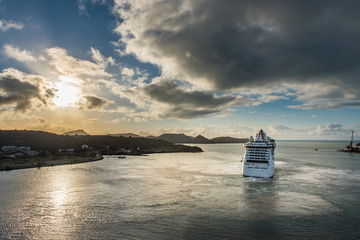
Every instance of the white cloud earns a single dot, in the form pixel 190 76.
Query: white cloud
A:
pixel 127 72
pixel 16 53
pixel 68 65
pixel 82 7
pixel 318 95
pixel 270 98
pixel 329 129
pixel 266 98
pixel 100 59
pixel 6 25
pixel 285 132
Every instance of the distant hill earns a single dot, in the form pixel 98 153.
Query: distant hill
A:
pixel 39 140
pixel 182 138
pixel 229 140
pixel 124 135
pixel 79 132
pixel 175 138
pixel 201 139
pixel 35 139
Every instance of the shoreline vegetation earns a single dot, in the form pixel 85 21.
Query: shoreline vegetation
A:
pixel 35 149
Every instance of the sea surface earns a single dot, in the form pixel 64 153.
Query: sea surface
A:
pixel 313 195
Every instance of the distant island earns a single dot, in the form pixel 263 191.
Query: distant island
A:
pixel 28 148
pixel 76 133
pixel 182 138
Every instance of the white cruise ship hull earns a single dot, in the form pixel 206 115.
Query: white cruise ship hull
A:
pixel 258 160
pixel 257 170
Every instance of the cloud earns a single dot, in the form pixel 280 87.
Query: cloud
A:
pixel 93 102
pixel 100 59
pixel 326 96
pixel 82 7
pixel 43 124
pixel 6 25
pixel 189 103
pixel 279 129
pixel 169 92
pixel 14 91
pixel 21 92
pixel 64 63
pixel 68 78
pixel 68 65
pixel 16 53
pixel 231 45
pixel 186 113
pixel 127 72
pixel 333 129
pixel 266 98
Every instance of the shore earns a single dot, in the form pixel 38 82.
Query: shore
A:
pixel 7 164
pixel 39 162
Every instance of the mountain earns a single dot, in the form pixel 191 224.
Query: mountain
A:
pixel 36 139
pixel 182 138
pixel 229 140
pixel 176 138
pixel 201 139
pixel 124 135
pixel 78 132
pixel 39 140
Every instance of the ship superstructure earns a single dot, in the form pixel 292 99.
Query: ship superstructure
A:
pixel 258 160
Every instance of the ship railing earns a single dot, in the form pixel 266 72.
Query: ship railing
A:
pixel 256 162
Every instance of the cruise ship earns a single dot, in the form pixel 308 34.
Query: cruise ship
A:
pixel 258 160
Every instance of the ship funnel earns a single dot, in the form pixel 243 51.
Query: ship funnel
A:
pixel 261 135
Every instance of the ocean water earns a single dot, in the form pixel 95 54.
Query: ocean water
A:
pixel 313 195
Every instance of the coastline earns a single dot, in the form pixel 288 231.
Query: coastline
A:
pixel 49 161
pixel 8 164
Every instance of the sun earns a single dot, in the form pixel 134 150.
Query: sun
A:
pixel 67 92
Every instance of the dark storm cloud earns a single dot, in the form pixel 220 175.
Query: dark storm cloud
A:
pixel 170 93
pixel 183 113
pixel 93 102
pixel 14 91
pixel 249 43
pixel 189 104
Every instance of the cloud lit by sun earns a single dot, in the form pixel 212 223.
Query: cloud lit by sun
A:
pixel 67 92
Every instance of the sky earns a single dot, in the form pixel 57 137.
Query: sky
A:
pixel 215 68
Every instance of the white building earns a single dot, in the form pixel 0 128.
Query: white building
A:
pixel 9 148
pixel 24 149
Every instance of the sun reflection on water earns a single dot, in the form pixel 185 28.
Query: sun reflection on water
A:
pixel 59 184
